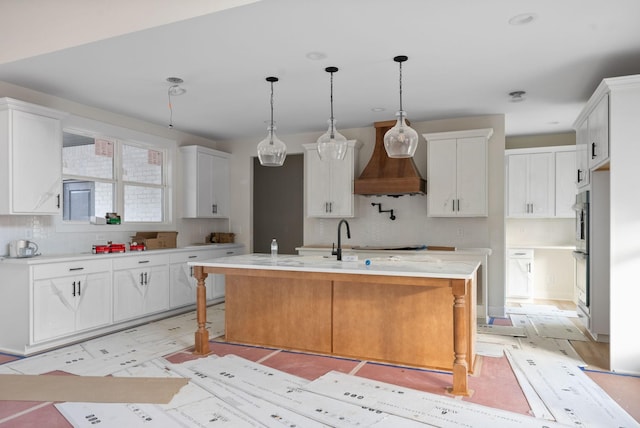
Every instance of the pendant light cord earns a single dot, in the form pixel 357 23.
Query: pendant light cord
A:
pixel 170 109
pixel 271 130
pixel 331 98
pixel 400 86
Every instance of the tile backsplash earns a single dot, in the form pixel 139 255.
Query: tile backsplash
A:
pixel 42 230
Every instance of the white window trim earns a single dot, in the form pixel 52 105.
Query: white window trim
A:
pixel 93 128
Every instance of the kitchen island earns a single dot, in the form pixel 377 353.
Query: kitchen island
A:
pixel 402 310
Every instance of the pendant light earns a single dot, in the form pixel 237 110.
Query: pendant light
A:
pixel 332 144
pixel 401 141
pixel 272 151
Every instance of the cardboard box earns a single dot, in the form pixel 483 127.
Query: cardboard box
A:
pixel 157 240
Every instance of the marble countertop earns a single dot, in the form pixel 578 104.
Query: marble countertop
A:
pixel 376 250
pixel 423 266
pixel 90 256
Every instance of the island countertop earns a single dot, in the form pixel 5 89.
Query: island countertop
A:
pixel 407 266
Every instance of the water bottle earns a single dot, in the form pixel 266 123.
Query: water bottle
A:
pixel 274 248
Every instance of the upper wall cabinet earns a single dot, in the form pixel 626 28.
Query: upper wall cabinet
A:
pixel 540 182
pixel 457 173
pixel 205 180
pixel 30 158
pixel 329 184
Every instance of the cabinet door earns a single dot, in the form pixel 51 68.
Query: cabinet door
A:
pixel 442 177
pixel 583 174
pixel 599 133
pixel 156 289
pixel 204 183
pixel 128 294
pixel 36 164
pixel 183 285
pixel 341 189
pixel 54 308
pixel 220 186
pixel 93 297
pixel 520 274
pixel 565 184
pixel 318 182
pixel 541 184
pixel 517 183
pixel 471 177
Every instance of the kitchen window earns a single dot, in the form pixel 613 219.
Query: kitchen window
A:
pixel 107 175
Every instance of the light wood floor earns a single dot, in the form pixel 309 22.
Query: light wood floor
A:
pixel 595 354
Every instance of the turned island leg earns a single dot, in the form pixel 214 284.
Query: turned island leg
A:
pixel 460 338
pixel 202 334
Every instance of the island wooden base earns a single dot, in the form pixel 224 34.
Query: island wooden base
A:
pixel 424 322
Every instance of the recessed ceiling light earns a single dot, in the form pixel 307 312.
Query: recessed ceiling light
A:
pixel 316 56
pixel 378 109
pixel 523 19
pixel 517 96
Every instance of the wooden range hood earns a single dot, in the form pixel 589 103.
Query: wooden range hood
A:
pixel 388 176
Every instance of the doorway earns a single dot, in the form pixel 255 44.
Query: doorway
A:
pixel 278 205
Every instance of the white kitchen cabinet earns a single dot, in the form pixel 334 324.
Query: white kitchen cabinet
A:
pixel 30 158
pixel 205 179
pixel 457 173
pixel 519 273
pixel 329 183
pixel 70 297
pixel 583 173
pixel 530 184
pixel 598 124
pixel 141 286
pixel 541 182
pixel 565 183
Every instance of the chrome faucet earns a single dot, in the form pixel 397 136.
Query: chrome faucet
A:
pixel 338 251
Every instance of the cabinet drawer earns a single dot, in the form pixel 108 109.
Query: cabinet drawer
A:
pixel 132 262
pixel 519 253
pixel 80 267
pixel 192 256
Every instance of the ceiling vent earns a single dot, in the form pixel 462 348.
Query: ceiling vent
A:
pixel 388 176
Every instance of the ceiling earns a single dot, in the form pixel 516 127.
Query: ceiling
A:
pixel 464 59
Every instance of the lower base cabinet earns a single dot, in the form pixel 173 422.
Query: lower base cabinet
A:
pixel 140 286
pixel 47 303
pixel 520 273
pixel 77 301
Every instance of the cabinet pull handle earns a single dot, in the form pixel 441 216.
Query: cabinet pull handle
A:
pixel 579 176
pixel 143 261
pixel 79 287
pixel 78 268
pixel 191 271
pixel 458 209
pixel 58 200
pixel 214 209
pixel 330 207
pixel 73 293
pixel 529 267
pixel 141 279
pixel 146 282
pixel 229 252
pixel 453 205
pixel 192 257
pixel 593 150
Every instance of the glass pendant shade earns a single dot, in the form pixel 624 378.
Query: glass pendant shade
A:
pixel 332 144
pixel 401 141
pixel 272 151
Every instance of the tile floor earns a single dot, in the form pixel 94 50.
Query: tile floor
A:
pixel 494 383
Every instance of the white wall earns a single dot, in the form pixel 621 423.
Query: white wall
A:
pixel 412 225
pixel 54 238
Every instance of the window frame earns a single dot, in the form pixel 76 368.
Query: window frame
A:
pixel 121 136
